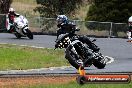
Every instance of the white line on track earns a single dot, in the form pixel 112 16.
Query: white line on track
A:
pixel 26 46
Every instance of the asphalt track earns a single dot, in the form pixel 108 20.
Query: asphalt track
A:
pixel 117 48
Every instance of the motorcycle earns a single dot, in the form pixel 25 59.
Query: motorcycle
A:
pixel 77 52
pixel 20 27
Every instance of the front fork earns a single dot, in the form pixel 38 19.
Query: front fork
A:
pixel 84 55
pixel 24 30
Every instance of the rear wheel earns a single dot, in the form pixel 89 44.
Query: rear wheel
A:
pixel 99 63
pixel 18 35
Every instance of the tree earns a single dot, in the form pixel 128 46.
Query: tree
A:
pixel 4 5
pixel 110 10
pixel 51 8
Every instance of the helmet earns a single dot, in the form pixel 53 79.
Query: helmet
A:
pixel 11 10
pixel 130 21
pixel 62 19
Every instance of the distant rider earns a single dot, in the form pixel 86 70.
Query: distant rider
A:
pixel 11 16
pixel 65 27
pixel 129 33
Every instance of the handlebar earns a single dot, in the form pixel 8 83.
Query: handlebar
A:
pixel 73 31
pixel 94 40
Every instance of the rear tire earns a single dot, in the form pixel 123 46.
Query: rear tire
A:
pixel 18 35
pixel 99 64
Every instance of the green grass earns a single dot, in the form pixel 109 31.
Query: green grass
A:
pixel 75 85
pixel 16 57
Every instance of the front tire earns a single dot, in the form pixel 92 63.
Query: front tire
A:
pixel 29 34
pixel 72 58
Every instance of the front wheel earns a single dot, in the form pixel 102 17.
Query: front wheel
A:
pixel 72 58
pixel 29 34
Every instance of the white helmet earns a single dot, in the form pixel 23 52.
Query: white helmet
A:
pixel 130 21
pixel 11 10
pixel 62 19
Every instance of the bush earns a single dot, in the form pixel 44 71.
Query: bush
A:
pixel 110 10
pixel 4 5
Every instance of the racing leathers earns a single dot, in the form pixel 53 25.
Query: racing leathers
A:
pixel 11 16
pixel 68 27
pixel 129 33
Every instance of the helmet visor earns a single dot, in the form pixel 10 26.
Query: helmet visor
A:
pixel 59 20
pixel 130 23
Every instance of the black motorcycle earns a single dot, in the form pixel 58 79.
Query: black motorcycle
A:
pixel 77 52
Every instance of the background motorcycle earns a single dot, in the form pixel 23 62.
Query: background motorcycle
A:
pixel 20 27
pixel 77 52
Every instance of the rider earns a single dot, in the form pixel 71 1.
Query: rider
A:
pixel 65 27
pixel 11 16
pixel 129 29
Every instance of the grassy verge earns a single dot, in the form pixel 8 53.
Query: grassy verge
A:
pixel 25 1
pixel 16 57
pixel 75 85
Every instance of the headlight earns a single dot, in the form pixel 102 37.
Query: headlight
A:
pixel 66 40
pixel 20 25
pixel 60 45
pixel 66 43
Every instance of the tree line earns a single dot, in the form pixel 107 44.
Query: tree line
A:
pixel 99 10
pixel 4 6
pixel 110 10
pixel 51 8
